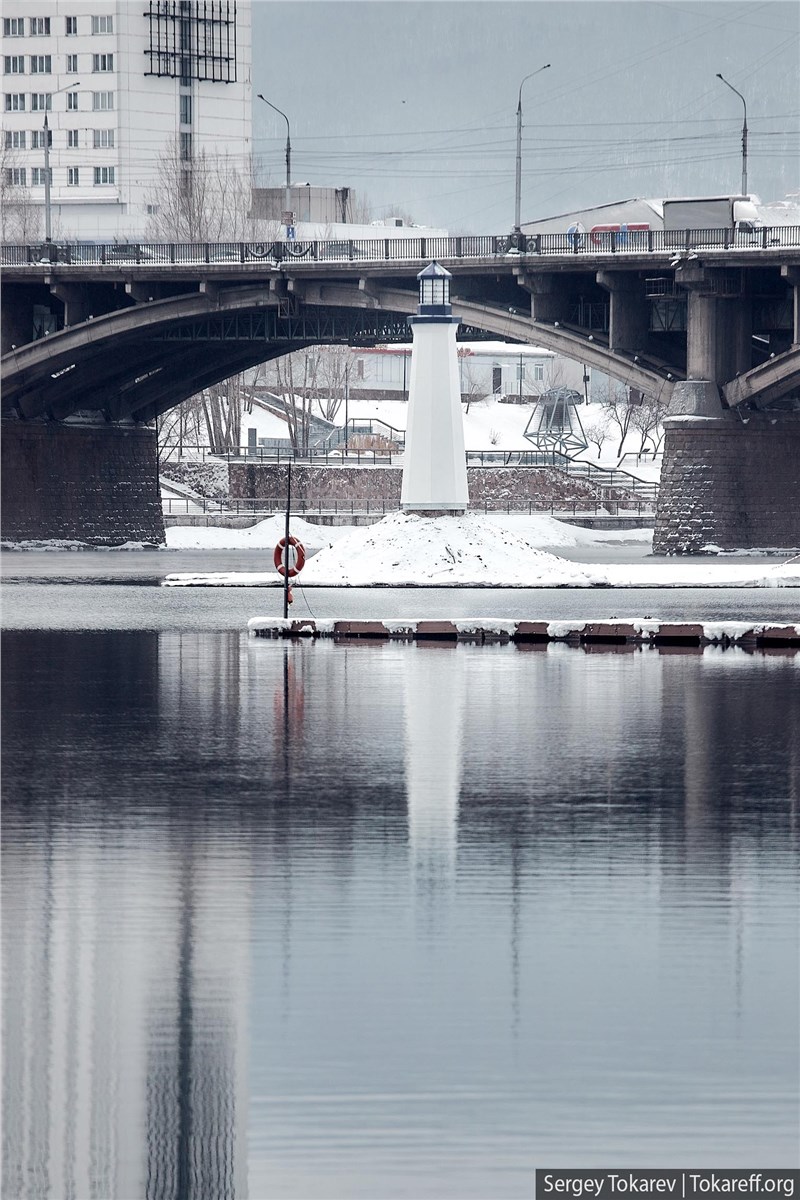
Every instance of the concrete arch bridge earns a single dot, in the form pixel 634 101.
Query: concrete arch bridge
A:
pixel 122 341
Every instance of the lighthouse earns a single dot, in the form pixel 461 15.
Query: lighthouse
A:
pixel 434 464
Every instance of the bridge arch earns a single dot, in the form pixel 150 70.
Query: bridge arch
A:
pixel 137 362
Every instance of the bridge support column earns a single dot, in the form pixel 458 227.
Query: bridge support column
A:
pixel 92 483
pixel 728 483
pixel 792 274
pixel 75 300
pixel 549 296
pixel 718 338
pixel 629 311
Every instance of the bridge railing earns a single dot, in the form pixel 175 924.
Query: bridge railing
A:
pixel 394 249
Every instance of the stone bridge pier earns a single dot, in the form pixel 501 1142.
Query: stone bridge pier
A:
pixel 730 475
pixel 80 480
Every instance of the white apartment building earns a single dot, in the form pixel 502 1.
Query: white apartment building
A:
pixel 119 84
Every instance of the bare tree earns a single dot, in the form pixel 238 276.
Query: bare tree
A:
pixel 205 198
pixel 595 426
pixel 21 218
pixel 616 404
pixel 181 429
pixel 647 419
pixel 472 389
pixel 333 370
pixel 296 383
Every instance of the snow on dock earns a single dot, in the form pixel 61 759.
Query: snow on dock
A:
pixel 574 633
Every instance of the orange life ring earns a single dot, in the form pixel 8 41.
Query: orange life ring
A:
pixel 299 557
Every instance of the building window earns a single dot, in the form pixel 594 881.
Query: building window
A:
pixel 73 176
pixel 102 101
pixel 520 372
pixel 37 139
pixel 40 26
pixel 152 209
pixel 16 176
pixel 41 102
pixel 359 368
pixel 72 101
pixel 103 175
pixel 15 139
pixel 41 64
pixel 186 147
pixel 14 64
pixel 72 26
pixel 38 175
pixel 102 62
pixel 15 102
pixel 103 139
pixel 538 371
pixel 73 139
pixel 102 24
pixel 72 64
pixel 186 110
pixel 13 26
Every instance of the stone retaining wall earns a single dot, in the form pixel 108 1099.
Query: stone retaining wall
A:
pixel 729 484
pixel 268 481
pixel 94 484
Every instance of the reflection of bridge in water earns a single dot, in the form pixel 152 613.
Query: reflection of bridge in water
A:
pixel 289 827
pixel 714 330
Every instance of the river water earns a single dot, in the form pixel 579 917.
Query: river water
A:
pixel 387 920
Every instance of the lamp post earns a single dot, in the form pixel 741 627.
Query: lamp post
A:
pixel 288 198
pixel 48 227
pixel 518 192
pixel 744 133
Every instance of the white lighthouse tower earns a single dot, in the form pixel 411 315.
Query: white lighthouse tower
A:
pixel 434 464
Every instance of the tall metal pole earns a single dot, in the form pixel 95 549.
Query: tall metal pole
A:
pixel 744 133
pixel 346 403
pixel 286 547
pixel 288 194
pixel 518 190
pixel 48 221
pixel 48 229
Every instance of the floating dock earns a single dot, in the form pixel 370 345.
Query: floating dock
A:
pixel 633 631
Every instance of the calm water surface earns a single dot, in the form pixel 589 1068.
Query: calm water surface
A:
pixel 333 921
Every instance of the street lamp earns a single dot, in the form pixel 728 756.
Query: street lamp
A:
pixel 518 193
pixel 47 214
pixel 744 133
pixel 288 200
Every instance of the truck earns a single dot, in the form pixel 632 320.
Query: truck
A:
pixel 712 220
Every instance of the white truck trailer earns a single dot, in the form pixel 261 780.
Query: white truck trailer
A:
pixel 712 220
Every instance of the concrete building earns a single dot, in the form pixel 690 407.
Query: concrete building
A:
pixel 119 84
pixel 516 372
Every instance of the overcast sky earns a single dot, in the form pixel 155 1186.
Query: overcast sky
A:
pixel 413 102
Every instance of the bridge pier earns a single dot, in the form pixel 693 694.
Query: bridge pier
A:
pixel 629 312
pixel 88 482
pixel 729 482
pixel 792 277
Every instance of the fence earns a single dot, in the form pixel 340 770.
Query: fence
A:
pixel 414 249
pixel 178 506
pixel 592 473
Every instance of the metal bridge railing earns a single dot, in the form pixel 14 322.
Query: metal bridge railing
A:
pixel 395 249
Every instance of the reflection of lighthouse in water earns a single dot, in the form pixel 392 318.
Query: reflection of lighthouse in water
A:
pixel 434 687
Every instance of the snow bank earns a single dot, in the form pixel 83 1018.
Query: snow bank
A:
pixel 263 536
pixel 470 550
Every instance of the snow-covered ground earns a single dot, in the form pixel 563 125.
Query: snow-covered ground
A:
pixel 263 536
pixel 474 550
pixel 490 425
